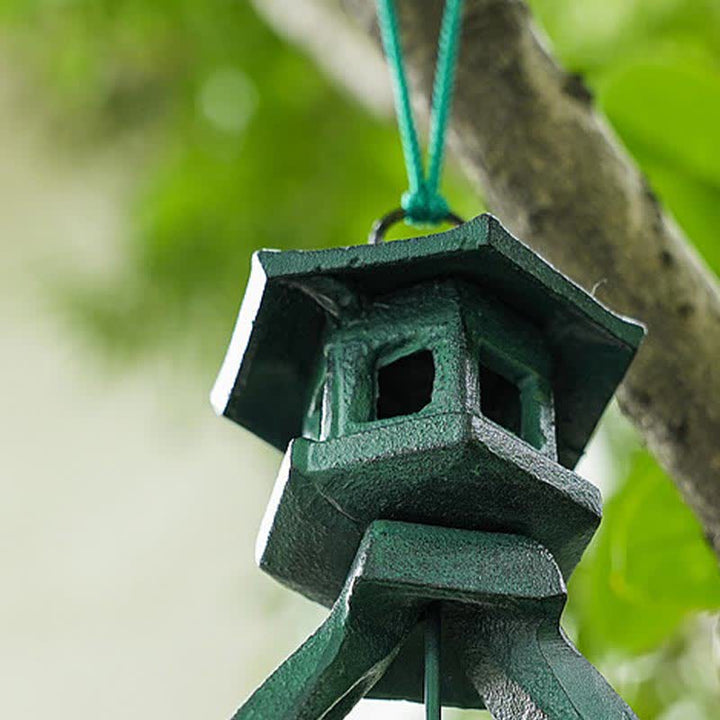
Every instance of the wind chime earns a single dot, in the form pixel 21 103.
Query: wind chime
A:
pixel 432 397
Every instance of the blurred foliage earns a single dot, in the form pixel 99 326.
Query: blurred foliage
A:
pixel 249 146
pixel 645 573
pixel 252 148
pixel 639 562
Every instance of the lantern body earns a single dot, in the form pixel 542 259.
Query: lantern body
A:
pixel 450 381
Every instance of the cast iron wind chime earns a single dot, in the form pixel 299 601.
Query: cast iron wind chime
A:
pixel 432 396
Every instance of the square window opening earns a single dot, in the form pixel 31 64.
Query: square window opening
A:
pixel 500 400
pixel 405 386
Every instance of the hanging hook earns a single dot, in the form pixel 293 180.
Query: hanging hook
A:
pixel 383 224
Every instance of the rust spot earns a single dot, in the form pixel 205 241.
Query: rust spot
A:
pixel 538 219
pixel 686 310
pixel 666 259
pixel 650 194
pixel 574 86
pixel 680 431
pixel 643 398
pixel 710 540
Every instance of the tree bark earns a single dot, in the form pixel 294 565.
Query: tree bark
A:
pixel 551 169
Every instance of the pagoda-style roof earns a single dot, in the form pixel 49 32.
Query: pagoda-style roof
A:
pixel 270 369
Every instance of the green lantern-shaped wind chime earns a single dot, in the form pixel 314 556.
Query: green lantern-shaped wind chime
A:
pixel 432 396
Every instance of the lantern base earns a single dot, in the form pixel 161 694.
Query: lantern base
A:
pixel 500 598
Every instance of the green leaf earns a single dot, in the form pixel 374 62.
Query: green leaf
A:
pixel 672 108
pixel 648 569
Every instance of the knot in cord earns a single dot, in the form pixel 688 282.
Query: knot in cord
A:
pixel 423 207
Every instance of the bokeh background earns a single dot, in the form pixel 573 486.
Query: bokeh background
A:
pixel 146 148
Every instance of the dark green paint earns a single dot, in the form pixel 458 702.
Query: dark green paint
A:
pixel 500 606
pixel 432 687
pixel 519 364
pixel 294 296
pixel 453 469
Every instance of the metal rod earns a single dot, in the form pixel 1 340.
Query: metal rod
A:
pixel 433 708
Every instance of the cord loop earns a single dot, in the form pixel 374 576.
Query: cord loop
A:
pixel 424 208
pixel 423 204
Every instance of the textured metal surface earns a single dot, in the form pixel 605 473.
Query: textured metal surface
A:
pixel 436 395
pixel 500 598
pixel 449 469
pixel 293 297
pixel 446 464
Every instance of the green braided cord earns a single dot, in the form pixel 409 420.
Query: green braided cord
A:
pixel 387 19
pixel 422 203
pixel 443 88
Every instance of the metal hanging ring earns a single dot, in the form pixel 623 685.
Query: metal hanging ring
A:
pixel 383 224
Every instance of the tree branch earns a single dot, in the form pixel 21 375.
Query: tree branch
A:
pixel 553 172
